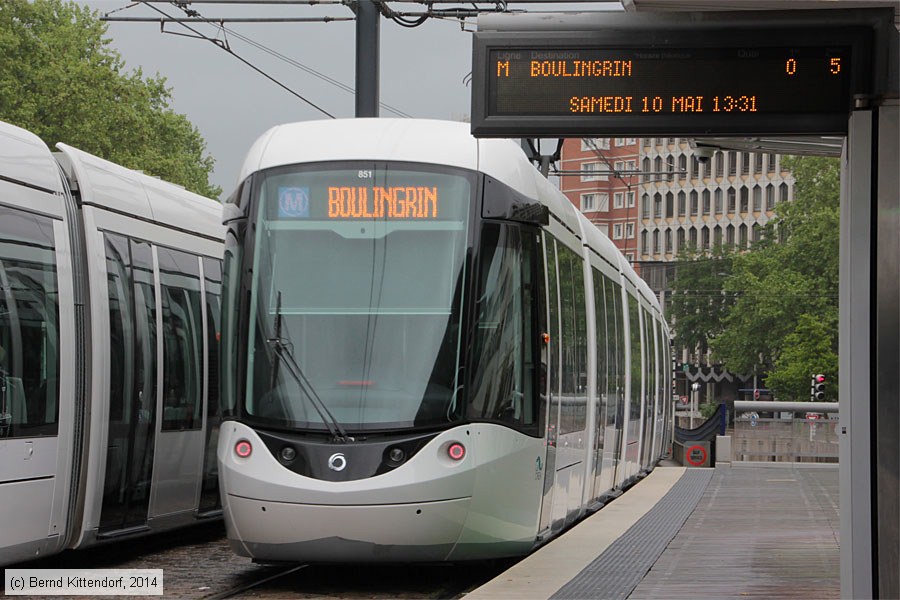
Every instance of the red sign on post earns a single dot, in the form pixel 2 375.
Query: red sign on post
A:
pixel 696 455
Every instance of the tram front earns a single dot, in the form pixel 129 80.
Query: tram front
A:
pixel 346 310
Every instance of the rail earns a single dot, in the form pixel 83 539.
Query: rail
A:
pixel 805 432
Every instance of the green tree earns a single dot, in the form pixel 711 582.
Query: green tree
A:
pixel 783 322
pixel 699 304
pixel 60 78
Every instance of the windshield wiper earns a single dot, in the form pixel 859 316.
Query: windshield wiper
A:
pixel 284 353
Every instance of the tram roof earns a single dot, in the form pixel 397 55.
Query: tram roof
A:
pixel 25 158
pixel 111 186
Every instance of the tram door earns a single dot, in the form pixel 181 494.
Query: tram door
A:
pixel 178 461
pixel 133 384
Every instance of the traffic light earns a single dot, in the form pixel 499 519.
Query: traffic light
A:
pixel 818 387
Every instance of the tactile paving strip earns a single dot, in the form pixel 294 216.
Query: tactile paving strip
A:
pixel 618 570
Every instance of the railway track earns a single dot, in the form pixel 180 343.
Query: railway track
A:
pixel 198 564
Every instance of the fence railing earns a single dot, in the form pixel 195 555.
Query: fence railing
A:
pixel 764 434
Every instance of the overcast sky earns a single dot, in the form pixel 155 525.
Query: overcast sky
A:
pixel 423 70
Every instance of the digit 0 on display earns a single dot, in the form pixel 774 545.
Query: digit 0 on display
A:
pixel 744 77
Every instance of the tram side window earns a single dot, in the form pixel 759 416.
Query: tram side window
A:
pixel 179 274
pixel 505 379
pixel 228 358
pixel 212 272
pixel 601 344
pixel 29 326
pixel 636 362
pixel 615 324
pixel 553 328
pixel 574 341
pixel 653 360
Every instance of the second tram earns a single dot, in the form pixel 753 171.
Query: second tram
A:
pixel 109 303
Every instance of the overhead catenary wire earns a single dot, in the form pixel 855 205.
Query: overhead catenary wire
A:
pixel 306 68
pixel 224 46
pixel 195 17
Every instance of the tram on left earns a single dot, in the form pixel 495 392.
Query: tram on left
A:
pixel 109 317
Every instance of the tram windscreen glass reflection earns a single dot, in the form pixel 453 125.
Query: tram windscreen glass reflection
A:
pixel 358 287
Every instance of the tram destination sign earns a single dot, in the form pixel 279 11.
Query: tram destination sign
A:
pixel 653 82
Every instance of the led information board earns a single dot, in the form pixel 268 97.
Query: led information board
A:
pixel 734 82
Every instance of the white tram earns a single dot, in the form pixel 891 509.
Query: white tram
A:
pixel 109 304
pixel 429 354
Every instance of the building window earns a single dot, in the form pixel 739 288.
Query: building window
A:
pixel 592 172
pixel 757 198
pixel 742 233
pixel 692 236
pixel 657 206
pixel 588 144
pixel 617 231
pixel 717 235
pixel 770 197
pixel 629 199
pixel 704 237
pixel 620 141
pixel 773 163
pixel 656 242
pixel 729 235
pixel 679 239
pixel 719 207
pixel 630 141
pixel 629 166
pixel 682 165
pixel 645 206
pixel 629 256
pixel 732 163
pixel 618 167
pixel 705 202
pixel 682 209
pixel 745 163
pixel 629 230
pixel 694 208
pixel 783 192
pixel 745 200
pixel 597 201
pixel 643 242
pixel 668 241
pixel 757 232
pixel 757 163
pixel 645 167
pixel 647 142
pixel 719 160
pixel 731 200
pixel 670 205
pixel 619 200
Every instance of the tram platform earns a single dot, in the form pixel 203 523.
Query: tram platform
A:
pixel 749 530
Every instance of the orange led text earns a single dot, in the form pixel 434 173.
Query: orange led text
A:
pixel 580 68
pixel 348 202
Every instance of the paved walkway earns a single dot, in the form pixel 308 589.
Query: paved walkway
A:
pixel 748 531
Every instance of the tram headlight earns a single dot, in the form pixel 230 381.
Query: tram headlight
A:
pixel 243 448
pixel 396 455
pixel 288 454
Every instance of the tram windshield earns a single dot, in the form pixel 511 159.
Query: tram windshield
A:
pixel 356 297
